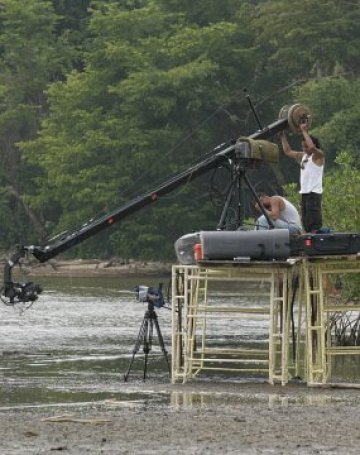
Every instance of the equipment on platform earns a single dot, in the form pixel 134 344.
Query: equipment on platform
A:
pixel 336 243
pixel 251 149
pixel 245 245
pixel 236 246
pixel 249 154
pixel 265 245
pixel 184 248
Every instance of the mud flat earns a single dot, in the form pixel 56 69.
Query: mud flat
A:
pixel 199 418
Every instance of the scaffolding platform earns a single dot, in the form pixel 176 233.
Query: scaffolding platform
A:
pixel 332 313
pixel 218 305
pixel 264 291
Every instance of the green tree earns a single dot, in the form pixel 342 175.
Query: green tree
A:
pixel 72 29
pixel 120 124
pixel 29 59
pixel 307 39
pixel 203 13
pixel 341 194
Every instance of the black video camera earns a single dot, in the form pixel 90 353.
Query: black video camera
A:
pixel 151 295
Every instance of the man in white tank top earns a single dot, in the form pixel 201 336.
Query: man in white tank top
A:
pixel 311 161
pixel 281 212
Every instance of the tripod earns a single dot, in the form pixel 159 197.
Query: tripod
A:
pixel 145 338
pixel 235 192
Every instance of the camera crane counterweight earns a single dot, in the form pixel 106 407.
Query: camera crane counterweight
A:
pixel 13 292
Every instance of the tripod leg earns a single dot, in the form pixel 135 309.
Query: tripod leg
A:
pixel 148 343
pixel 252 189
pixel 141 335
pixel 229 198
pixel 161 343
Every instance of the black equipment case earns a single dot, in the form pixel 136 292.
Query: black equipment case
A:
pixel 233 245
pixel 325 244
pixel 240 245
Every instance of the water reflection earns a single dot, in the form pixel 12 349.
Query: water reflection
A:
pixel 186 399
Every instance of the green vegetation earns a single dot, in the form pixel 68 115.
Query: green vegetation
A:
pixel 100 100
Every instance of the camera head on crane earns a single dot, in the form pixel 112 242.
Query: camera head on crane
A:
pixel 18 292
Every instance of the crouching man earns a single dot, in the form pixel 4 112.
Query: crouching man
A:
pixel 281 212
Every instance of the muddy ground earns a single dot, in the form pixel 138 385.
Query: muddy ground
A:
pixel 201 418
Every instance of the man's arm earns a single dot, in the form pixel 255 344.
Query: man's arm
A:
pixel 287 149
pixel 317 153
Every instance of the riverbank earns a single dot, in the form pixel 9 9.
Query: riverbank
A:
pixel 96 267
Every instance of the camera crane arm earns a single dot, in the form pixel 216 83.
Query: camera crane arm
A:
pixel 13 292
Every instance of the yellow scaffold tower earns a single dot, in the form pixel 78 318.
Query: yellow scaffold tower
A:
pixel 292 298
pixel 194 312
pixel 329 315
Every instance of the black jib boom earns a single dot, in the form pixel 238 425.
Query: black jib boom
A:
pixel 15 291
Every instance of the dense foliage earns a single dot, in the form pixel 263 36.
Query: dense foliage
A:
pixel 101 100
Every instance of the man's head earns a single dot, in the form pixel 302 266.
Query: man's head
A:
pixel 306 148
pixel 265 200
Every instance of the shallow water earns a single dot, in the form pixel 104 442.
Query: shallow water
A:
pixel 74 345
pixel 75 342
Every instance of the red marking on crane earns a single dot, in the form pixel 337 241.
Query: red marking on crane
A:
pixel 154 197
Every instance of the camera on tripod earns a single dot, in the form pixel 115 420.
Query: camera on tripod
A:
pixel 150 294
pixel 154 298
